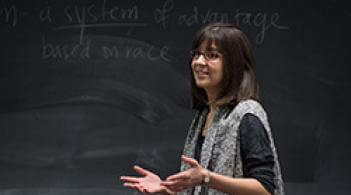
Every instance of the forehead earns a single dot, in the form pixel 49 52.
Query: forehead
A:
pixel 207 45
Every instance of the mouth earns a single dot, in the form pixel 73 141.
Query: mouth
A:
pixel 202 73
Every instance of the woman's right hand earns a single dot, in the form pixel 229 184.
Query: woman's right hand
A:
pixel 148 183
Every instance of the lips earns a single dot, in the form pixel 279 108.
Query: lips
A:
pixel 202 73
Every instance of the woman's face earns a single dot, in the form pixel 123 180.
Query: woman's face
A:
pixel 207 67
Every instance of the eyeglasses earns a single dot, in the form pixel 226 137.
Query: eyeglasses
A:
pixel 208 55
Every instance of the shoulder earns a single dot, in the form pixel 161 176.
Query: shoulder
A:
pixel 247 106
pixel 251 125
pixel 249 118
pixel 250 106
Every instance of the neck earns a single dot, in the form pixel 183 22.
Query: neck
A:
pixel 211 97
pixel 213 107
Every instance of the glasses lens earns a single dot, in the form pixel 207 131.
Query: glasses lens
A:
pixel 211 55
pixel 208 55
pixel 194 54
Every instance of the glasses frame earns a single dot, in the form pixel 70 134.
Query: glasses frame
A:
pixel 209 55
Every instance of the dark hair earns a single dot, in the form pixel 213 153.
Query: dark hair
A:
pixel 239 77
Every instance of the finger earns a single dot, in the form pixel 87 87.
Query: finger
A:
pixel 176 188
pixel 130 179
pixel 130 185
pixel 179 176
pixel 192 162
pixel 134 186
pixel 171 188
pixel 169 183
pixel 174 185
pixel 153 191
pixel 140 189
pixel 148 191
pixel 170 191
pixel 166 190
pixel 141 171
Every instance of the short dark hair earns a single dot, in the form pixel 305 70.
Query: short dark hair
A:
pixel 239 77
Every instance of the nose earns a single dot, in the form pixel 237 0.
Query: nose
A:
pixel 199 63
pixel 201 59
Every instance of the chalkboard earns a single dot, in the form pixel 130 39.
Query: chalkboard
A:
pixel 90 88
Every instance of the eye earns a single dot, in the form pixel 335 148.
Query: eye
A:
pixel 211 55
pixel 194 54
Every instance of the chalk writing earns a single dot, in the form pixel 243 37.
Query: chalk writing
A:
pixel 110 52
pixel 45 14
pixel 202 18
pixel 9 14
pixel 105 14
pixel 150 52
pixel 117 13
pixel 66 51
pixel 83 17
pixel 92 14
pixel 260 20
pixel 162 15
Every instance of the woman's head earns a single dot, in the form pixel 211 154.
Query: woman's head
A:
pixel 222 61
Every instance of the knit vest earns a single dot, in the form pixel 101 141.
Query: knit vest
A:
pixel 221 148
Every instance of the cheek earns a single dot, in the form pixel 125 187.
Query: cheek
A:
pixel 219 69
pixel 192 66
pixel 192 70
pixel 220 74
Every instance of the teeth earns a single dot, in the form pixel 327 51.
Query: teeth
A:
pixel 202 73
pixel 201 70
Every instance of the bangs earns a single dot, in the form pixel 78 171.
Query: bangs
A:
pixel 207 39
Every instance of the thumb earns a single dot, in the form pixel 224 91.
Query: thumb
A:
pixel 192 162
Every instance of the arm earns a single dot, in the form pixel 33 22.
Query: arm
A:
pixel 194 176
pixel 256 152
pixel 257 158
pixel 237 186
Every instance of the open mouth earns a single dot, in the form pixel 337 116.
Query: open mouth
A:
pixel 202 73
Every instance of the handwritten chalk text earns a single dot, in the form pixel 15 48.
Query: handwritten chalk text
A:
pixel 9 14
pixel 150 52
pixel 65 51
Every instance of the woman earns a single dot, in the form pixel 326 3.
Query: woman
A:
pixel 229 148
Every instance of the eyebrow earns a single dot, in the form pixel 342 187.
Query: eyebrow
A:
pixel 209 45
pixel 210 48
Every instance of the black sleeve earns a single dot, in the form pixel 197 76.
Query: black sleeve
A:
pixel 256 153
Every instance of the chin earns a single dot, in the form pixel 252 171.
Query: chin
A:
pixel 202 84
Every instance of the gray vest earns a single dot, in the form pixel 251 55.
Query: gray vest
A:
pixel 221 148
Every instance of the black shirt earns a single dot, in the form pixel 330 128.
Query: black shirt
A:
pixel 256 153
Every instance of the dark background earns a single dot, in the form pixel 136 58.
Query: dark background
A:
pixel 90 88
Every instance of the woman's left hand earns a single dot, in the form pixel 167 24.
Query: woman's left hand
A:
pixel 186 179
pixel 148 183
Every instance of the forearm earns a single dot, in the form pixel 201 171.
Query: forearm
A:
pixel 236 186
